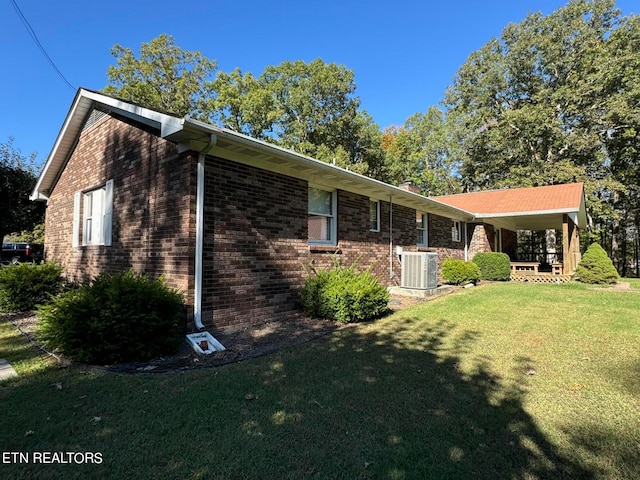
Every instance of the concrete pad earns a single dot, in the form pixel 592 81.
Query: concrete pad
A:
pixel 414 292
pixel 6 370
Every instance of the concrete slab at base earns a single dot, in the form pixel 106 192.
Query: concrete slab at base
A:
pixel 6 370
pixel 414 292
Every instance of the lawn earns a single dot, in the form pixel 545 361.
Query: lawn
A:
pixel 500 381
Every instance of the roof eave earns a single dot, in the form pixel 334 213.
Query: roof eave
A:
pixel 81 107
pixel 197 136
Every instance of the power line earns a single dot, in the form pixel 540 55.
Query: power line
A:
pixel 27 25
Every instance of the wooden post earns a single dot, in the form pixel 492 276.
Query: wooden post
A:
pixel 570 245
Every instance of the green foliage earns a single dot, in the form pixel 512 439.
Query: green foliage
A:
pixel 421 151
pixel 458 272
pixel 17 179
pixel 118 318
pixel 164 77
pixel 344 295
pixel 25 285
pixel 596 267
pixel 307 106
pixel 554 100
pixel 35 235
pixel 493 265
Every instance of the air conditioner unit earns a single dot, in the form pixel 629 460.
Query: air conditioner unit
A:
pixel 419 270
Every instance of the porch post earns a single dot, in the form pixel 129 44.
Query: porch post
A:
pixel 570 245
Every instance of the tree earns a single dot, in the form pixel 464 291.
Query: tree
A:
pixel 17 180
pixel 552 101
pixel 308 107
pixel 164 77
pixel 422 152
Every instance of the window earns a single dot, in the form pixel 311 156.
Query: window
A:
pixel 456 231
pixel 422 229
pixel 95 208
pixel 374 215
pixel 322 216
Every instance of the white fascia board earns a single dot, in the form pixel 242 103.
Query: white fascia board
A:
pixel 82 105
pixel 568 211
pixel 53 160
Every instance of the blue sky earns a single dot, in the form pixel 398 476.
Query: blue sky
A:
pixel 404 53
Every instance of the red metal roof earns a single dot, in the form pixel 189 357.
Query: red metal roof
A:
pixel 518 200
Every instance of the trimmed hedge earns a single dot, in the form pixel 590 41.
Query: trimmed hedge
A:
pixel 118 318
pixel 493 265
pixel 458 272
pixel 342 294
pixel 596 267
pixel 25 285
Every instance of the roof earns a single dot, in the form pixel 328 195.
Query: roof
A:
pixel 523 204
pixel 201 137
pixel 525 208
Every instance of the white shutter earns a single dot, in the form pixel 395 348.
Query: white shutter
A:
pixel 108 213
pixel 76 220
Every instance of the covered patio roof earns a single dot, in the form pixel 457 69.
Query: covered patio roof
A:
pixel 534 208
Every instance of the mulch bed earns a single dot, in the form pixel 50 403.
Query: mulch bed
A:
pixel 250 342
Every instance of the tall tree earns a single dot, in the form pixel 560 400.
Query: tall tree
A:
pixel 164 77
pixel 17 179
pixel 553 100
pixel 309 107
pixel 421 151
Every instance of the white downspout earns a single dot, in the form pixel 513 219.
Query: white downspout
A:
pixel 390 236
pixel 197 300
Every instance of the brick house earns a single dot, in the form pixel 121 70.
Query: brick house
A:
pixel 228 220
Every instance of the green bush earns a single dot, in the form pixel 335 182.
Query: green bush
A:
pixel 458 272
pixel 344 295
pixel 493 265
pixel 25 285
pixel 118 318
pixel 596 267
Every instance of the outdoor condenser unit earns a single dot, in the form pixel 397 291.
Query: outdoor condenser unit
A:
pixel 419 270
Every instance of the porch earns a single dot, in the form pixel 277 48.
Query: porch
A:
pixel 535 272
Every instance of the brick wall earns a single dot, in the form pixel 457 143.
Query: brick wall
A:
pixel 255 244
pixel 371 249
pixel 255 237
pixel 153 205
pixel 482 239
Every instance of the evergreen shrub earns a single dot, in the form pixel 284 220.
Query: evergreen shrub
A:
pixel 25 285
pixel 343 294
pixel 596 267
pixel 458 272
pixel 118 318
pixel 493 265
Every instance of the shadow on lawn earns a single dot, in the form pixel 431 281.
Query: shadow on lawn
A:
pixel 402 407
pixel 400 403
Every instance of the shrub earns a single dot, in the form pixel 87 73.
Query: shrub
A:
pixel 596 267
pixel 25 285
pixel 458 272
pixel 342 294
pixel 493 265
pixel 118 318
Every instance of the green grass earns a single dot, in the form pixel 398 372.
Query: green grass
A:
pixel 633 282
pixel 501 381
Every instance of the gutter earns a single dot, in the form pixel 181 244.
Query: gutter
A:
pixel 197 300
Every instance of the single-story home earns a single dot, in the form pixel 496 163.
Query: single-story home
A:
pixel 232 221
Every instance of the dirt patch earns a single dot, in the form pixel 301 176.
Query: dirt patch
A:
pixel 240 345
